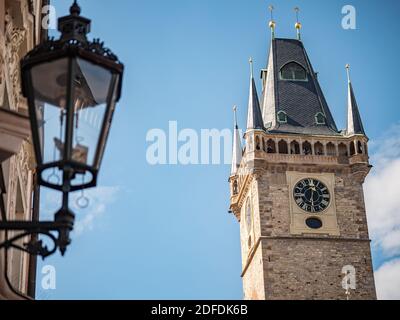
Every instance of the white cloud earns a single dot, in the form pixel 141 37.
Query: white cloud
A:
pixel 99 198
pixel 387 279
pixel 382 193
pixel 382 198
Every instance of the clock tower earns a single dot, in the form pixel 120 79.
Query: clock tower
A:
pixel 297 187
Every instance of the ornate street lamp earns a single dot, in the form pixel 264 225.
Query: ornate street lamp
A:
pixel 72 86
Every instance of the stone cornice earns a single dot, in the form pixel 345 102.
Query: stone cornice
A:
pixel 14 129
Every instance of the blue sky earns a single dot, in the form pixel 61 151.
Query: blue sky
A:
pixel 163 232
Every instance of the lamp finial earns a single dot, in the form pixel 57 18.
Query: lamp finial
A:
pixel 75 9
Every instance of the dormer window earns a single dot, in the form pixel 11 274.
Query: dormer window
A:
pixel 320 118
pixel 282 117
pixel 293 71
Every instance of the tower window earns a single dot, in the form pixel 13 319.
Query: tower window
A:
pixel 271 148
pixel 331 149
pixel 319 118
pixel 294 147
pixel 248 215
pixel 307 148
pixel 359 147
pixel 235 188
pixel 319 149
pixel 283 147
pixel 282 117
pixel 258 146
pixel 293 71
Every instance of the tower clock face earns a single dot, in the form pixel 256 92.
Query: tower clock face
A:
pixel 311 195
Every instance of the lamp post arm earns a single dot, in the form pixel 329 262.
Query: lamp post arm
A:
pixel 29 228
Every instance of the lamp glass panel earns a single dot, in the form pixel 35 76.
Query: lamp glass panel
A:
pixel 49 83
pixel 91 91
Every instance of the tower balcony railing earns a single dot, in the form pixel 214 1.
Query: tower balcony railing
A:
pixel 308 158
pixel 315 149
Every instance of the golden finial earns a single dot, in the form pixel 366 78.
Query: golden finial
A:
pixel 272 23
pixel 297 24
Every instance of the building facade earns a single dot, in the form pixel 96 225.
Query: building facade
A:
pixel 297 187
pixel 20 30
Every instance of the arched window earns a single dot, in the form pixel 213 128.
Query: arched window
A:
pixel 294 147
pixel 365 148
pixel 343 150
pixel 331 149
pixel 359 147
pixel 307 148
pixel 319 149
pixel 271 146
pixel 248 215
pixel 352 148
pixel 283 147
pixel 293 71
pixel 235 187
pixel 282 117
pixel 258 146
pixel 319 118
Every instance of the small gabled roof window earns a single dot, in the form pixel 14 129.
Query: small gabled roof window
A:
pixel 293 71
pixel 282 117
pixel 320 118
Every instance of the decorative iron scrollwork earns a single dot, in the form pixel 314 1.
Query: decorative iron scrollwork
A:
pixel 36 246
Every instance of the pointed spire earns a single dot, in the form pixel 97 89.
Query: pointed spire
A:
pixel 354 123
pixel 251 68
pixel 297 24
pixel 237 146
pixel 254 116
pixel 272 23
pixel 301 106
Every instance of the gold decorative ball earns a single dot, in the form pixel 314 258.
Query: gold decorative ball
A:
pixel 272 24
pixel 297 25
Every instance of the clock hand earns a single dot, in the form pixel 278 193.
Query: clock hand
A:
pixel 312 197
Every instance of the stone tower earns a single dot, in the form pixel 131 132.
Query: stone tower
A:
pixel 296 187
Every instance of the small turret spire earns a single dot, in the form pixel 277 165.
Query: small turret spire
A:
pixel 354 123
pixel 297 24
pixel 251 67
pixel 272 23
pixel 348 72
pixel 237 145
pixel 254 116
